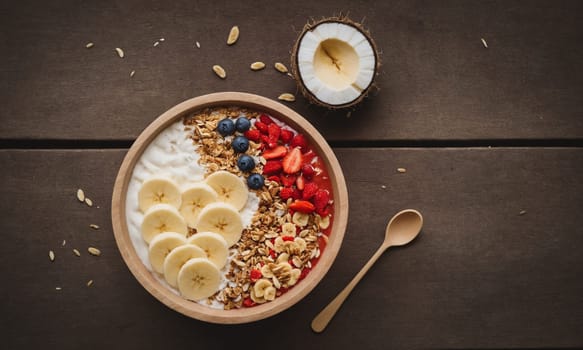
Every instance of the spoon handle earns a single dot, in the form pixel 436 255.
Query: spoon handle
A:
pixel 323 318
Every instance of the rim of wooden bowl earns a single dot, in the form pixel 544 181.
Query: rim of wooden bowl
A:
pixel 195 310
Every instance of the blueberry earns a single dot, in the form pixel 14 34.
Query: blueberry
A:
pixel 255 181
pixel 240 144
pixel 242 124
pixel 226 127
pixel 246 163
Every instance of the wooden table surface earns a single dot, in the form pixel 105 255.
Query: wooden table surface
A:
pixel 492 140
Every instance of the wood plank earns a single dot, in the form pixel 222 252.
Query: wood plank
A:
pixel 438 81
pixel 479 276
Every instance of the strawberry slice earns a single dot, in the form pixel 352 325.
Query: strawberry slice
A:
pixel 309 191
pixel 292 162
pixel 274 178
pixel 253 135
pixel 286 136
pixel 272 167
pixel 264 118
pixel 300 183
pixel 276 152
pixel 273 131
pixel 302 206
pixel 261 127
pixel 288 180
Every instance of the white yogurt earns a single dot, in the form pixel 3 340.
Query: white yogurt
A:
pixel 172 153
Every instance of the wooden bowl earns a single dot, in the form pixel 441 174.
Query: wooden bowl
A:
pixel 245 314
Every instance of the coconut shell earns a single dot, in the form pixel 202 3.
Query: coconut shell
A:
pixel 295 65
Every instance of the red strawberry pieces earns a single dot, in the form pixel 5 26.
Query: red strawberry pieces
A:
pixel 276 152
pixel 289 192
pixel 288 180
pixel 272 167
pixel 253 135
pixel 310 189
pixel 302 206
pixel 264 118
pixel 286 136
pixel 308 171
pixel 273 132
pixel 261 127
pixel 300 141
pixel 255 275
pixel 321 199
pixel 292 162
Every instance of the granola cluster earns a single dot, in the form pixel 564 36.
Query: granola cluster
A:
pixel 278 248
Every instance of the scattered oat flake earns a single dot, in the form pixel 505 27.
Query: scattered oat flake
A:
pixel 76 252
pixel 349 114
pixel 383 187
pixel 162 39
pixel 132 73
pixel 219 71
pixel 89 45
pixel 257 65
pixel 51 255
pixel 94 251
pixel 89 283
pixel 93 226
pixel 58 288
pixel 120 52
pixel 281 67
pixel 156 43
pixel 522 212
pixel 197 44
pixel 64 242
pixel 287 97
pixel 233 35
pixel 484 42
pixel 80 195
pixel 88 201
pixel 402 170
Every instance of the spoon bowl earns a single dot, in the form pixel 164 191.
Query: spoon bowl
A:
pixel 401 229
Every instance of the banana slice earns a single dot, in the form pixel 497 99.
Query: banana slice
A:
pixel 177 258
pixel 214 245
pixel 223 219
pixel 198 278
pixel 194 198
pixel 159 190
pixel 161 246
pixel 261 286
pixel 162 218
pixel 230 188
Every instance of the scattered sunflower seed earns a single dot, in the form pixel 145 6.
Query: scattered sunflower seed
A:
pixel 383 187
pixel 484 42
pixel 51 255
pixel 89 283
pixel 219 71
pixel 120 52
pixel 156 43
pixel 233 35
pixel 281 67
pixel 80 195
pixel 89 45
pixel 522 212
pixel 132 73
pixel 58 288
pixel 402 170
pixel 287 97
pixel 162 39
pixel 76 252
pixel 257 65
pixel 93 226
pixel 94 251
pixel 88 201
pixel 197 44
pixel 64 242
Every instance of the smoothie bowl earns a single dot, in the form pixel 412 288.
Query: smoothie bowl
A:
pixel 229 208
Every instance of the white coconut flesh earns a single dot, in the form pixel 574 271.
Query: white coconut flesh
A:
pixel 336 62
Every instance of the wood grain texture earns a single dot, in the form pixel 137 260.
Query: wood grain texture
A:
pixel 479 276
pixel 437 81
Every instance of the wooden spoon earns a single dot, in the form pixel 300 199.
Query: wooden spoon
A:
pixel 402 229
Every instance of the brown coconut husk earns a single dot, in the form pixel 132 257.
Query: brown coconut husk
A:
pixel 295 69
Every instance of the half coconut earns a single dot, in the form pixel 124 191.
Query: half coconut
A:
pixel 335 62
